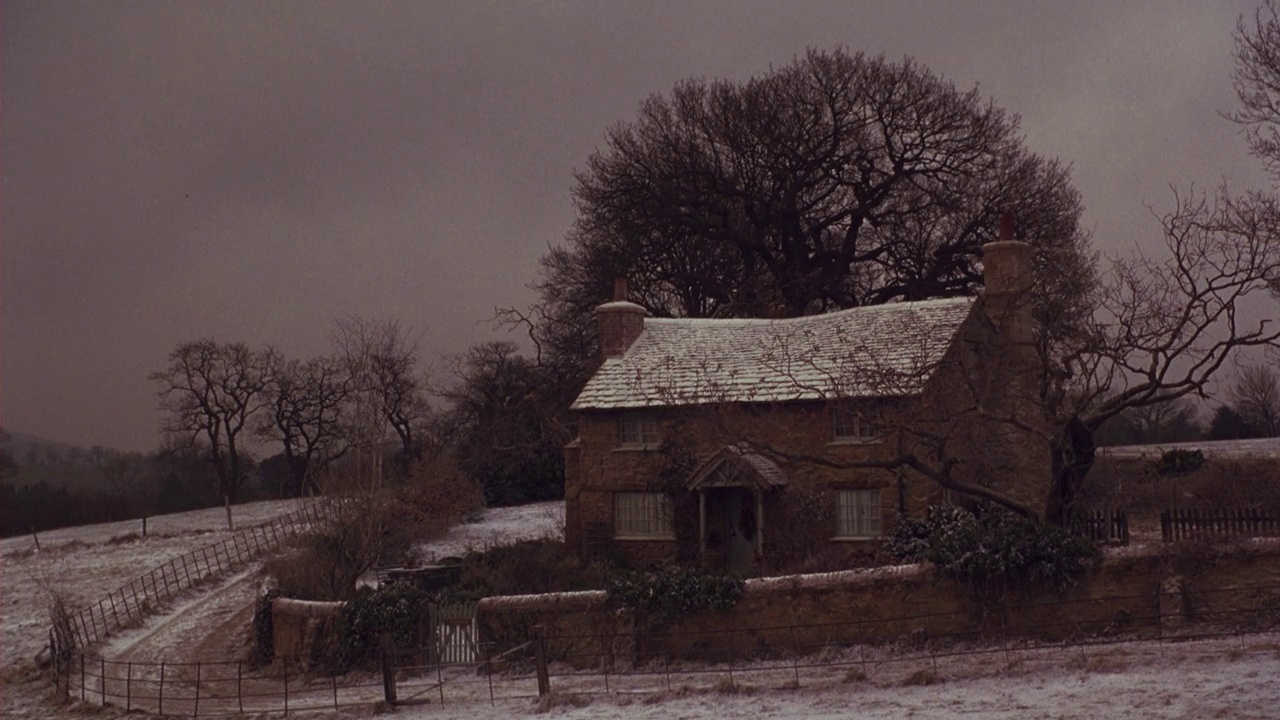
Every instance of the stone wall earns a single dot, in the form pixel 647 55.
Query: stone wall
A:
pixel 303 628
pixel 1128 593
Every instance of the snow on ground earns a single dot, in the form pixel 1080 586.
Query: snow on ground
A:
pixel 1230 677
pixel 498 526
pixel 83 564
pixel 1207 679
pixel 1261 448
pixel 195 521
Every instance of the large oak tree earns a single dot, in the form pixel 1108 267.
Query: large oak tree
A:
pixel 835 181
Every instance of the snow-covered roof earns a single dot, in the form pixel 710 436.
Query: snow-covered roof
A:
pixel 737 466
pixel 876 351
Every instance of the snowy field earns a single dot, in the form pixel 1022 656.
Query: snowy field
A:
pixel 1223 678
pixel 1261 448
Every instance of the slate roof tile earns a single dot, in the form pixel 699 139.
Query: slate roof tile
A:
pixel 876 351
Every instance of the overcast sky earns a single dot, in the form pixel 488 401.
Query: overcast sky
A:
pixel 254 170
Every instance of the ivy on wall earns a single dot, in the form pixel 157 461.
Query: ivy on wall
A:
pixel 674 592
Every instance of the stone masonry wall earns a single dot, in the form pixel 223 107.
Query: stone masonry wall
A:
pixel 601 468
pixel 1128 593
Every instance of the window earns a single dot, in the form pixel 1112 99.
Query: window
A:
pixel 851 424
pixel 642 516
pixel 637 430
pixel 857 513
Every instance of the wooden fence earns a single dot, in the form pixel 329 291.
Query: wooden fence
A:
pixel 1104 526
pixel 1205 523
pixel 131 602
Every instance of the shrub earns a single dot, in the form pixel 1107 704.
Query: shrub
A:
pixel 366 529
pixel 527 567
pixel 395 609
pixel 674 591
pixel 995 550
pixel 1180 462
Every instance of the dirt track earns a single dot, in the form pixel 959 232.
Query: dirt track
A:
pixel 213 625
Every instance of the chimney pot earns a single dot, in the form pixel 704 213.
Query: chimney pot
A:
pixel 1006 227
pixel 620 289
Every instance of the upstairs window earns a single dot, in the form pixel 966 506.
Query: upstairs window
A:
pixel 642 516
pixel 637 430
pixel 852 423
pixel 857 513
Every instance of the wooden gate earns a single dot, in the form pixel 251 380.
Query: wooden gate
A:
pixel 455 633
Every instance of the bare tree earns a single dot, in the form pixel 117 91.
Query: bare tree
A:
pixel 1172 421
pixel 1166 325
pixel 210 391
pixel 387 389
pixel 306 413
pixel 1257 84
pixel 1256 399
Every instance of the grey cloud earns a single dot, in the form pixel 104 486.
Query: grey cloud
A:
pixel 250 170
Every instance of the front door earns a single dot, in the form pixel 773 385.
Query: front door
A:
pixel 739 530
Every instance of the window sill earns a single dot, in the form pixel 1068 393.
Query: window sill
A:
pixel 636 448
pixel 856 539
pixel 645 538
pixel 855 441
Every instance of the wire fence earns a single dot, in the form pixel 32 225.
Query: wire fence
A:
pixel 613 665
pixel 130 603
pixel 790 656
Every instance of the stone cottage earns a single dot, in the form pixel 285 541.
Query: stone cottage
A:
pixel 727 441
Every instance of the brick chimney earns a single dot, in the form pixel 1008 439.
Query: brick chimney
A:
pixel 620 322
pixel 1006 269
pixel 1015 460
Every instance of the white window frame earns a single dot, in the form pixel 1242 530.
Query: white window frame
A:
pixel 643 516
pixel 638 431
pixel 850 424
pixel 858 514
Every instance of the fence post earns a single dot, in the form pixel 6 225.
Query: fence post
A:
pixel 239 684
pixel 195 711
pixel 388 677
pixel 128 688
pixel 35 537
pixel 540 657
pixel 160 709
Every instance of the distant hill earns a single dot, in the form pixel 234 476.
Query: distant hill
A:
pixel 52 461
pixel 17 442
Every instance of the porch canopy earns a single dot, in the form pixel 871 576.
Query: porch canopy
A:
pixel 736 466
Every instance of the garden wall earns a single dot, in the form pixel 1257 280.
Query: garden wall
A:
pixel 1135 588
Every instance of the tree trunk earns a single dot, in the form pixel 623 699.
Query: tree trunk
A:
pixel 1073 455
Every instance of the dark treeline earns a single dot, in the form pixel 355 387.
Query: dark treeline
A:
pixel 77 487
pixel 243 424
